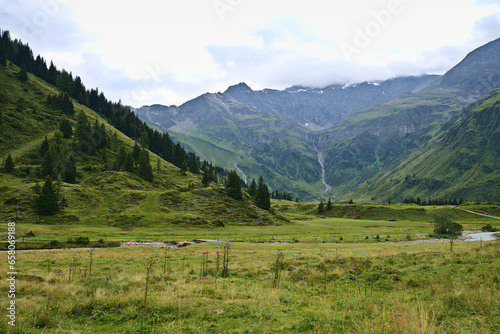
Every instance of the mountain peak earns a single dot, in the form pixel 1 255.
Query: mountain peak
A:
pixel 478 73
pixel 241 87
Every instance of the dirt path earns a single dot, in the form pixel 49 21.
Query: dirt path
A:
pixel 482 214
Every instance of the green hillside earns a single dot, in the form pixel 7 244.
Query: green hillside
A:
pixel 259 143
pixel 461 163
pixel 101 196
pixel 372 140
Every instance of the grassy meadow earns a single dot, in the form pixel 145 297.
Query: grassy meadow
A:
pixel 269 288
pixel 313 283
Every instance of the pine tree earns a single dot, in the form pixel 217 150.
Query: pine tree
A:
pixel 233 185
pixel 67 104
pixel 121 158
pixel 47 167
pixel 145 169
pixel 66 129
pixel 23 73
pixel 52 75
pixel 193 164
pixel 48 202
pixel 136 152
pixel 44 148
pixel 158 168
pixel 3 55
pixel 252 189
pixel 82 129
pixel 8 166
pixel 206 178
pixel 129 163
pixel 184 167
pixel 70 170
pixel 321 207
pixel 329 205
pixel 262 197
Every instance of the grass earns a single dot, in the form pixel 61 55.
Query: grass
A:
pixel 375 288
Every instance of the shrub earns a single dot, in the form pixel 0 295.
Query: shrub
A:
pixel 444 225
pixel 79 240
pixel 488 228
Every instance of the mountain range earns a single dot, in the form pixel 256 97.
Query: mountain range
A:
pixel 328 142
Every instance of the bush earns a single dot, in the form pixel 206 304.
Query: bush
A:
pixel 444 225
pixel 79 240
pixel 488 228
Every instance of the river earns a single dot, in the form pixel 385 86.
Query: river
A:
pixel 484 236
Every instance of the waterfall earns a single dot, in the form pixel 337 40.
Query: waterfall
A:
pixel 321 161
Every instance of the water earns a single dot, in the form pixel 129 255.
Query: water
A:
pixel 485 236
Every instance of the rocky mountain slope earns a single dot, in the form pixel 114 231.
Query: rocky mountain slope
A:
pixel 325 142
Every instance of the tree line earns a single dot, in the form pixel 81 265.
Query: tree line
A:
pixel 119 116
pixel 434 201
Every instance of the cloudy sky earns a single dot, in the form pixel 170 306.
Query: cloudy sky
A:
pixel 168 52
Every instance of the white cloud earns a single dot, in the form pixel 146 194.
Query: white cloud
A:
pixel 167 52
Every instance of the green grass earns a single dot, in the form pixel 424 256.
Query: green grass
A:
pixel 369 288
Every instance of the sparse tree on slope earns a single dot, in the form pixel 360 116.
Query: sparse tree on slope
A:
pixel 66 128
pixel 9 165
pixel 47 202
pixel 252 189
pixel 233 185
pixel 262 196
pixel 145 169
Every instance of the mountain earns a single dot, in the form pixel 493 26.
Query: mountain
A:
pixel 313 108
pixel 251 141
pixel 325 142
pixel 102 194
pixel 371 140
pixel 478 74
pixel 462 162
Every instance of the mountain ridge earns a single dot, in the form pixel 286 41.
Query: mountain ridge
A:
pixel 359 130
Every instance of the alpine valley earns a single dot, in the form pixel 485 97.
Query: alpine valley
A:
pixel 429 136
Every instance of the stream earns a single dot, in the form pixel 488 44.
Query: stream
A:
pixel 484 236
pixel 322 164
pixel 244 176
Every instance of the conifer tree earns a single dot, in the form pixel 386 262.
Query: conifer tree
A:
pixel 82 129
pixel 3 55
pixel 158 168
pixel 67 104
pixel 145 169
pixel 66 129
pixel 206 178
pixel 9 165
pixel 329 205
pixel 184 167
pixel 23 73
pixel 70 170
pixel 47 202
pixel 129 163
pixel 233 185
pixel 121 158
pixel 52 75
pixel 321 207
pixel 252 189
pixel 193 164
pixel 44 148
pixel 136 152
pixel 47 167
pixel 262 196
